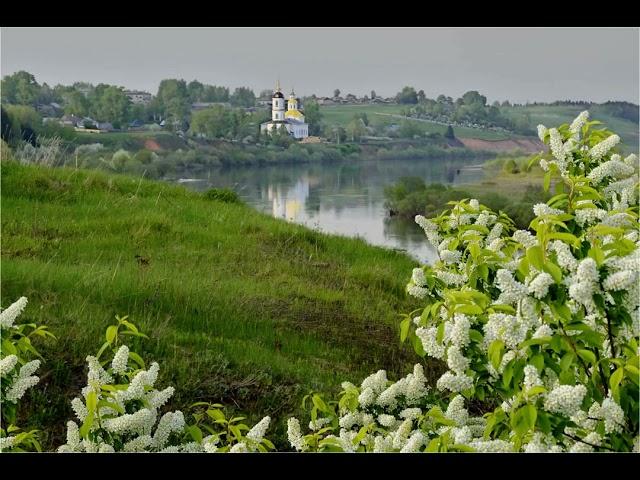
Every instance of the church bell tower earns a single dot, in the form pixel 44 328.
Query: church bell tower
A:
pixel 277 105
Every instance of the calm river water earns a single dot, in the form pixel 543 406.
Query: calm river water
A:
pixel 339 198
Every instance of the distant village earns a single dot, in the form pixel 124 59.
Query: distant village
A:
pixel 53 112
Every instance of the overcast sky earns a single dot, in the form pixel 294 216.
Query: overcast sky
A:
pixel 518 64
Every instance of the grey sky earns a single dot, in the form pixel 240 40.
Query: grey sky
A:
pixel 518 64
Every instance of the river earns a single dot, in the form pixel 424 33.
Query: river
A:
pixel 344 198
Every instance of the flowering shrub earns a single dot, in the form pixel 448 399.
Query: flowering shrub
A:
pixel 226 435
pixel 17 368
pixel 119 410
pixel 538 329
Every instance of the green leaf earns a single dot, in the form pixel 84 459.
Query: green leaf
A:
pixel 547 181
pixel 562 311
pixel 268 443
pixel 195 433
pixel 440 332
pixel 319 403
pixel 404 329
pixel 553 270
pixel 476 336
pixel 535 257
pixel 433 445
pixel 88 421
pixel 495 353
pixel 130 325
pixel 633 373
pixel 543 422
pixel 614 383
pixel 597 254
pixel 417 346
pixel 524 419
pixel 236 432
pixel 538 389
pixel 566 361
pixel 216 415
pixel 587 355
pixel 535 341
pixel 499 307
pixel 462 448
pixel 360 435
pixel 507 375
pixel 114 405
pixel 591 338
pixel 111 333
pixel 137 358
pixel 566 237
pixel 468 309
pixel 538 361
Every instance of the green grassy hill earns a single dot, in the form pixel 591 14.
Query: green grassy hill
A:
pixel 383 115
pixel 545 114
pixel 555 115
pixel 240 308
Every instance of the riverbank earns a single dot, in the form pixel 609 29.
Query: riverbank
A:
pixel 240 308
pixel 507 184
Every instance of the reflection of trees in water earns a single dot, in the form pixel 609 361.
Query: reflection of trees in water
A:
pixel 409 235
pixel 333 186
pixel 312 203
pixel 405 231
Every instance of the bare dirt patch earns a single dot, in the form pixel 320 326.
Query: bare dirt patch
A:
pixel 152 145
pixel 526 145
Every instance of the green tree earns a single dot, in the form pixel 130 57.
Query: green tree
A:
pixel 409 129
pixel 373 94
pixel 195 90
pixel 24 123
pixel 421 96
pixel 243 97
pixel 214 122
pixel 407 95
pixel 20 88
pixel 336 92
pixel 214 93
pixel 449 133
pixel 173 100
pixel 356 129
pixel 313 116
pixel 75 103
pixel 473 98
pixel 111 105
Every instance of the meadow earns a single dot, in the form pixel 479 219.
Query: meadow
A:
pixel 390 114
pixel 556 115
pixel 538 114
pixel 239 307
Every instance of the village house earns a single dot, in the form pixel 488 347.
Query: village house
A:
pixel 138 97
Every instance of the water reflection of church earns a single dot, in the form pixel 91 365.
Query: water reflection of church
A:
pixel 288 202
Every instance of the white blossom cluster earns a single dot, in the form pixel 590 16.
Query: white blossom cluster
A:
pixel 143 428
pixel 578 123
pixel 586 276
pixel 20 381
pixel 401 425
pixel 16 373
pixel 9 314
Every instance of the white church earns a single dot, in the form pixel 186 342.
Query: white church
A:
pixel 291 118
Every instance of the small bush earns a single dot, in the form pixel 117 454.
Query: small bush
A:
pixel 222 195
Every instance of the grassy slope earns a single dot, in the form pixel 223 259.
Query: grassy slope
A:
pixel 552 116
pixel 547 115
pixel 240 307
pixel 343 114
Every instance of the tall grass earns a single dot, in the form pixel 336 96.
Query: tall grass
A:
pixel 240 308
